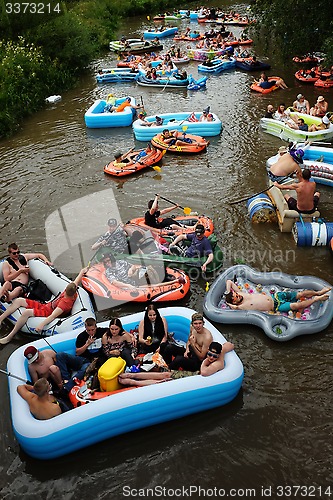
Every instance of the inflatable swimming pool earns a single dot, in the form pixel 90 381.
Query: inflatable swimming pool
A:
pixel 132 409
pixel 56 283
pixel 160 33
pixel 116 75
pixel 95 117
pixel 177 121
pixel 280 327
pixel 217 65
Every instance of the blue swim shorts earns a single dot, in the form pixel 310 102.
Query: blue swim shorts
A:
pixel 283 300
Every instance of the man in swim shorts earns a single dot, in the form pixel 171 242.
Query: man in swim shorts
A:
pixel 286 165
pixel 236 299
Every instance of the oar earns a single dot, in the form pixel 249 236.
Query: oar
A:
pixel 187 210
pixel 166 84
pixel 15 376
pixel 259 192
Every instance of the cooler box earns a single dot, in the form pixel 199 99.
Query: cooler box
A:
pixel 108 374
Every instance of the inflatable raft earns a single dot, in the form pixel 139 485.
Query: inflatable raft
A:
pixel 189 221
pixel 96 282
pixel 158 403
pixel 133 163
pixel 305 76
pixel 217 65
pixel 198 84
pixel 116 75
pixel 160 33
pixel 326 84
pixel 277 326
pixel 280 129
pixel 165 82
pixel 197 145
pixel 135 46
pixel 96 117
pixel 179 122
pixel 204 54
pixel 256 87
pixel 248 64
pixel 56 283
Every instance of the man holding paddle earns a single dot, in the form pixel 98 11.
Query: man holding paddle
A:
pixel 152 216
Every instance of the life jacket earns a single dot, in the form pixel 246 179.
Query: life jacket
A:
pixel 22 260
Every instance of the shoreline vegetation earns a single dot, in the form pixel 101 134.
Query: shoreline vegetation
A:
pixel 43 53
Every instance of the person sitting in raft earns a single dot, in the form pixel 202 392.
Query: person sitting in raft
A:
pixel 110 102
pixel 279 302
pixel 265 83
pixel 270 111
pixel 301 125
pixel 286 165
pixel 115 237
pixel 153 214
pixel 60 306
pixel 213 363
pixel 42 404
pixel 301 104
pixel 123 105
pixel 203 117
pixel 307 196
pixel 153 330
pixel 197 346
pixel 324 124
pixel 200 246
pixel 117 342
pixel 320 108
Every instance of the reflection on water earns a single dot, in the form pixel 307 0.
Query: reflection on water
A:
pixel 278 430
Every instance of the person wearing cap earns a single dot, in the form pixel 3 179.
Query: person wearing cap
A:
pixel 301 104
pixel 142 120
pixel 199 245
pixel 55 366
pixel 320 107
pixel 191 357
pixel 59 306
pixel 213 363
pixel 323 125
pixel 15 271
pixel 307 196
pixel 115 237
pixel 42 404
pixel 203 117
pixel 286 165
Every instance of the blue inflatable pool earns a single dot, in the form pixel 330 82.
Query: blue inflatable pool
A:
pixel 123 411
pixel 96 117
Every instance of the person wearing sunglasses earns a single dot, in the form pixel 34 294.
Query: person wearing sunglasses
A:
pixel 15 271
pixel 59 306
pixel 213 363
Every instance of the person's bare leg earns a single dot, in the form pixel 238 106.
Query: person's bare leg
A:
pixel 296 306
pixel 18 325
pixel 12 308
pixel 313 293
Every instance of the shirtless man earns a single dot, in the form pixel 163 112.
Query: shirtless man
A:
pixel 281 301
pixel 213 363
pixel 41 404
pixel 286 165
pixel 15 270
pixel 191 357
pixel 307 196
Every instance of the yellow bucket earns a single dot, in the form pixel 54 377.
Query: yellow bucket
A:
pixel 108 374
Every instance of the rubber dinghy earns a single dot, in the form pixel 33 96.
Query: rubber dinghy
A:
pixel 277 326
pixel 190 221
pixel 158 403
pixel 56 282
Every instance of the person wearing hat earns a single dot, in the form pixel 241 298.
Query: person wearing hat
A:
pixel 286 165
pixel 142 120
pixel 42 404
pixel 203 117
pixel 199 246
pixel 323 125
pixel 213 363
pixel 307 196
pixel 115 237
pixel 301 104
pixel 320 107
pixel 59 306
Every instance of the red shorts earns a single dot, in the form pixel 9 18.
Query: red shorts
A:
pixel 40 310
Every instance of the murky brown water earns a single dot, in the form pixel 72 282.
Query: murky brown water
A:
pixel 279 429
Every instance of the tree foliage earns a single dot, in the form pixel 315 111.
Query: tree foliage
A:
pixel 298 26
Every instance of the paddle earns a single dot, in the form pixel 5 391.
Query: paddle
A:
pixel 15 376
pixel 168 80
pixel 259 192
pixel 187 210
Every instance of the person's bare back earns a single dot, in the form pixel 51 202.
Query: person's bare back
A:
pixel 284 166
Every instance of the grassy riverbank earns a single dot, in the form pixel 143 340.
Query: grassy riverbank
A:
pixel 43 53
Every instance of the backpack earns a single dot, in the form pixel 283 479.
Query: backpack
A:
pixel 37 290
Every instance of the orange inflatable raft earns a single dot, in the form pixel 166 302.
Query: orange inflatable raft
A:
pixel 195 143
pixel 257 88
pixel 177 286
pixel 134 162
pixel 189 221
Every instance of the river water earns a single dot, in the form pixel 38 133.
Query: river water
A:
pixel 278 431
